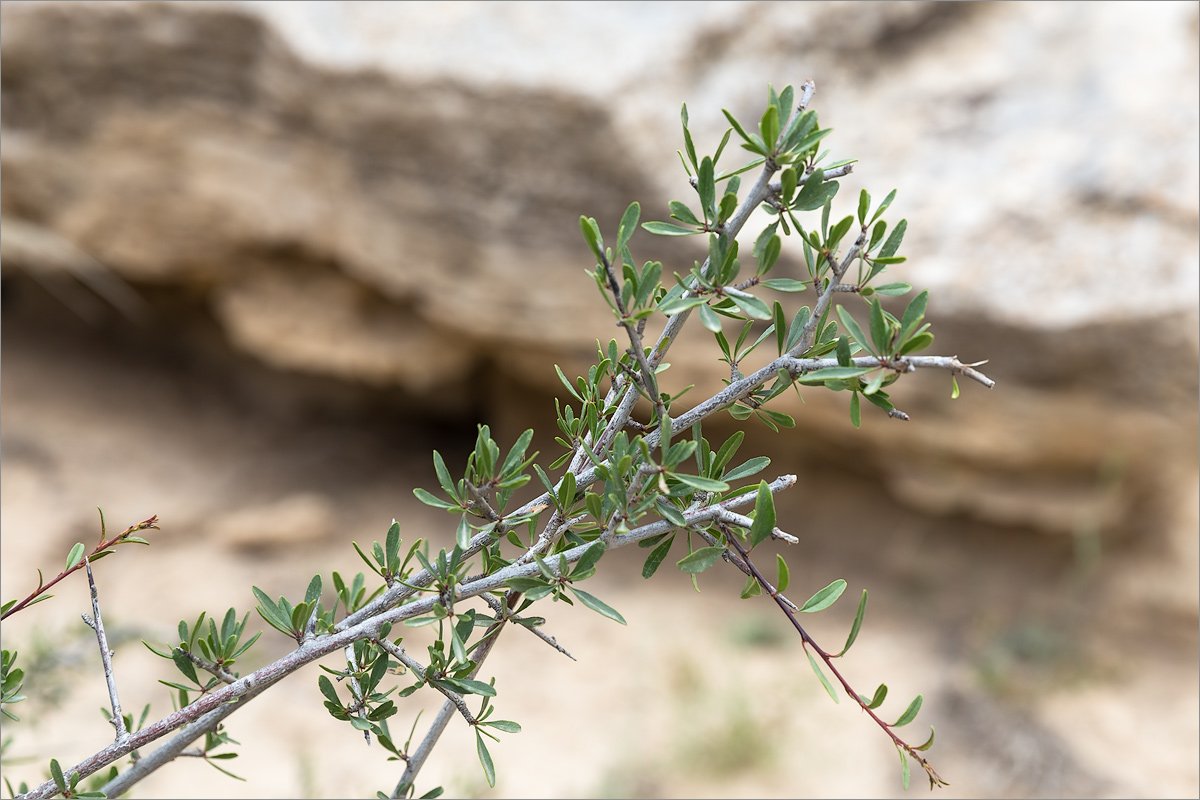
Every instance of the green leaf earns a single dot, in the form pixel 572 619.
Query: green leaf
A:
pixel 668 229
pixel 775 419
pixel 824 598
pixel 784 284
pixel 462 535
pixel 728 205
pixel 796 329
pixel 57 773
pixel 326 687
pixel 670 512
pixel 851 326
pixel 700 560
pixel 751 589
pixel 516 454
pixel 270 612
pixel 678 305
pixel 468 686
pixel 893 289
pixel 748 303
pixel 707 189
pixel 737 127
pixel 913 314
pixel 875 383
pixel 879 328
pixel 904 772
pixel 928 742
pixel 721 147
pixel 75 556
pixel 431 500
pixel 684 214
pixel 703 484
pixel 184 664
pixel 751 467
pixel 810 142
pixel 589 558
pixel 839 231
pixel 687 137
pixel 769 126
pixel 855 411
pixel 801 125
pixel 785 576
pixel 864 205
pixel 628 225
pixel 877 234
pixel 858 621
pixel 764 515
pixel 877 700
pixel 443 476
pixel 566 493
pixel 523 584
pixel 656 557
pixel 812 193
pixel 727 450
pixel 313 593
pixel 739 412
pixel 916 343
pixel 954 391
pixel 485 758
pixel 821 675
pixel 887 201
pixel 597 605
pixel 843 351
pixel 591 235
pixel 505 725
pixel 709 319
pixel 787 185
pixel 779 323
pixel 893 242
pixel 393 547
pixel 547 572
pixel 834 373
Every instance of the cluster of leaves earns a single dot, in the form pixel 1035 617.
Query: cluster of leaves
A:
pixel 656 482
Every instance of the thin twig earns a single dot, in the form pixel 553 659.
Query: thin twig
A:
pixel 498 607
pixel 152 522
pixel 783 603
pixel 417 760
pixel 399 653
pixel 176 746
pixel 741 563
pixel 97 624
pixel 743 521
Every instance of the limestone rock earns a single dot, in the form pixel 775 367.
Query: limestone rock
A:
pixel 390 194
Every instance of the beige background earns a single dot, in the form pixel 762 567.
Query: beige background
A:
pixel 259 259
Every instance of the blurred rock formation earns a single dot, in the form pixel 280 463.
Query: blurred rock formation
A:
pixel 389 195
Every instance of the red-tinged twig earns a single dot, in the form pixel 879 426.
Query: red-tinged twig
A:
pixel 784 605
pixel 120 538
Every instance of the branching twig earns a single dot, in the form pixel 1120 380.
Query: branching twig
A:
pixel 176 747
pixel 404 658
pixel 787 607
pixel 152 522
pixel 417 760
pixel 97 624
pixel 317 647
pixel 500 610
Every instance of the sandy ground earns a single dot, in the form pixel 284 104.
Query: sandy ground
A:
pixel 1035 685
